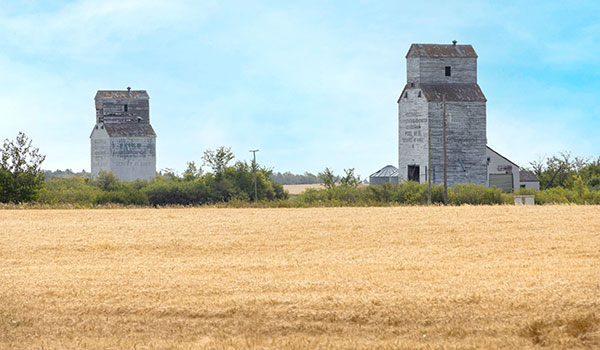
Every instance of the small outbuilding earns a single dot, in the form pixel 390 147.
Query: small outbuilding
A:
pixel 388 173
pixel 529 180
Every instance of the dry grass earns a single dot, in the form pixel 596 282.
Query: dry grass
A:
pixel 353 278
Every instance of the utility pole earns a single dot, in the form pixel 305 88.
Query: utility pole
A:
pixel 254 168
pixel 445 151
pixel 429 161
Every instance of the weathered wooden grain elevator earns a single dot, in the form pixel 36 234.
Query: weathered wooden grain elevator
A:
pixel 439 75
pixel 123 140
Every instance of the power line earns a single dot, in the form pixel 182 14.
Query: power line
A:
pixel 254 168
pixel 445 153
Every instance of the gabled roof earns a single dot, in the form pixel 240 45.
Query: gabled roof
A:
pixel 122 94
pixel 527 176
pixel 453 92
pixel 129 129
pixel 386 171
pixel 441 51
pixel 503 157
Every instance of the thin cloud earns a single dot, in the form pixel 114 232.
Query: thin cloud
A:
pixel 93 30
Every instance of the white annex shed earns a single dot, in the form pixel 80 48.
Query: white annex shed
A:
pixel 123 140
pixel 508 176
pixel 501 172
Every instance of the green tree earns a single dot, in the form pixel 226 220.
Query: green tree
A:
pixel 106 181
pixel 558 171
pixel 328 178
pixel 21 176
pixel 192 172
pixel 350 179
pixel 218 159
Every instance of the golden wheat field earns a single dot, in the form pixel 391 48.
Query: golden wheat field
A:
pixel 322 278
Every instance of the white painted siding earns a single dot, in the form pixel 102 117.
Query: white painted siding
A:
pixel 413 132
pixel 133 158
pixel 497 164
pixel 100 150
pixel 532 185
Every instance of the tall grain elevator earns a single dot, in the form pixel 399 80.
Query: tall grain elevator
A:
pixel 442 77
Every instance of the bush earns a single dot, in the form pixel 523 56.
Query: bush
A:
pixel 74 190
pixel 169 192
pixel 125 197
pixel 410 193
pixel 476 194
pixel 404 193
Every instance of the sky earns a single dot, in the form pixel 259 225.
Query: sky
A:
pixel 311 84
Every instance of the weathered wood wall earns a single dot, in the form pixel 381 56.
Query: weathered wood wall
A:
pixel 420 105
pixel 432 70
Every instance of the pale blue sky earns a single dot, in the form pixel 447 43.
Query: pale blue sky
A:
pixel 312 84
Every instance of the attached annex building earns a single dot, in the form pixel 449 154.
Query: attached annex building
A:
pixel 123 141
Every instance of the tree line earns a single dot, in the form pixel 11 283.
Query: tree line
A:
pixel 22 180
pixel 287 178
pixel 567 172
pixel 563 179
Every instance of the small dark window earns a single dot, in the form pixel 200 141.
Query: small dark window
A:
pixel 412 84
pixel 413 173
pixel 406 94
pixel 419 93
pixel 448 71
pixel 125 108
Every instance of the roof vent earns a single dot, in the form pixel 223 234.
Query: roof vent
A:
pixel 454 42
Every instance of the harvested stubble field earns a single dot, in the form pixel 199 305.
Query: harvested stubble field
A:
pixel 354 278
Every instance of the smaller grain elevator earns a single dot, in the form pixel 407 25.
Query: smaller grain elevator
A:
pixel 123 140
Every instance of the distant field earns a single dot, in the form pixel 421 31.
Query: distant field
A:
pixel 297 189
pixel 319 278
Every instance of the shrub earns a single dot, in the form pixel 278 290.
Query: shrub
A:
pixel 74 190
pixel 169 192
pixel 475 194
pixel 410 193
pixel 123 196
pixel 554 195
